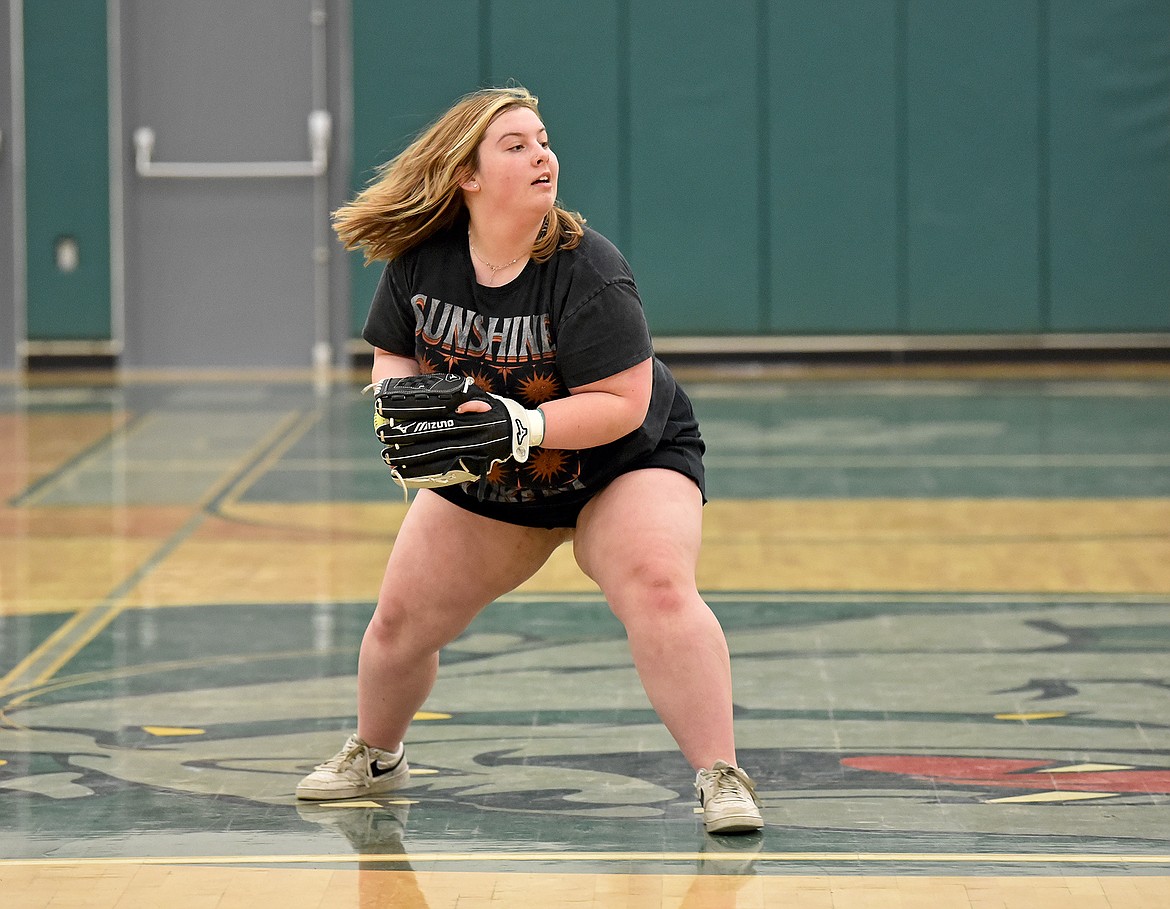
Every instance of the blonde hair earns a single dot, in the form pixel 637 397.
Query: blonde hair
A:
pixel 417 193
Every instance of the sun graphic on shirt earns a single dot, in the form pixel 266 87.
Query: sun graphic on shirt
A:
pixel 546 463
pixel 496 474
pixel 482 381
pixel 539 388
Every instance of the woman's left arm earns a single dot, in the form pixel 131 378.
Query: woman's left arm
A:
pixel 601 411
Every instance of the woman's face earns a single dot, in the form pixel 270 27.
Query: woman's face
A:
pixel 516 169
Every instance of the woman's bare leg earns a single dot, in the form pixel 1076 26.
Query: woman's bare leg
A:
pixel 639 540
pixel 447 564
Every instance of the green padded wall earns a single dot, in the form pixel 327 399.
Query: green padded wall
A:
pixel 695 182
pixel 67 176
pixel 972 161
pixel 833 167
pixel 1110 163
pixel 840 166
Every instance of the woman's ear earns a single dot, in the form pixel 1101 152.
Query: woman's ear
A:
pixel 471 184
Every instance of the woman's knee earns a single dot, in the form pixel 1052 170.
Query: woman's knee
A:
pixel 388 624
pixel 398 625
pixel 651 588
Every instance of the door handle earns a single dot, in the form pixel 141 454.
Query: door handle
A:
pixel 320 129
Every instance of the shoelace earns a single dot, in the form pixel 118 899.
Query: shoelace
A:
pixel 728 784
pixel 346 756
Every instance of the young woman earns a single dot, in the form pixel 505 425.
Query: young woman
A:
pixel 489 277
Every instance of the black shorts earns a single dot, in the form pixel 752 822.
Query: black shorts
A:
pixel 680 449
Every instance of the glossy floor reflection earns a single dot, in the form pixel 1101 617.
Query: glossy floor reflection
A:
pixel 945 597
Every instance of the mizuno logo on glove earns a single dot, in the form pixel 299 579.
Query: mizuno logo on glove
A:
pixel 423 426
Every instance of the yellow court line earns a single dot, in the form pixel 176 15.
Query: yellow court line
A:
pixel 66 628
pixel 229 492
pixel 87 624
pixel 95 622
pixel 283 429
pixel 941 598
pixel 997 858
pixel 942 461
pixel 124 420
pixel 1052 796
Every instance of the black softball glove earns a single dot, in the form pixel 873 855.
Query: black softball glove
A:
pixel 429 443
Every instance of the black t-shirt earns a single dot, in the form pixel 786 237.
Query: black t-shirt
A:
pixel 560 324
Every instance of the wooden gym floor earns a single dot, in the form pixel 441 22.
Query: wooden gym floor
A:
pixel 945 592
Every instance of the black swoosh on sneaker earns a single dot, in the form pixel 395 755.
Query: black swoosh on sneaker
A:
pixel 377 770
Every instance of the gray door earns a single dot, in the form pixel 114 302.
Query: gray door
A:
pixel 219 270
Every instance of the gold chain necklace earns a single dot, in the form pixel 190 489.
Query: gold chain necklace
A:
pixel 494 268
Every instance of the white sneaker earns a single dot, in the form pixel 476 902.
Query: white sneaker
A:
pixel 356 770
pixel 369 830
pixel 729 801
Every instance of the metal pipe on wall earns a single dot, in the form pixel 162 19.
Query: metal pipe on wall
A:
pixel 322 346
pixel 19 201
pixel 117 176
